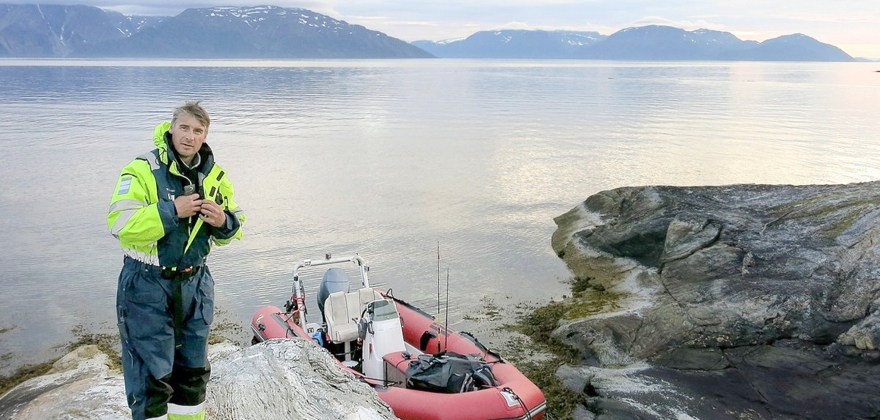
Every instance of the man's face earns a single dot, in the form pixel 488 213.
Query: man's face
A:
pixel 187 136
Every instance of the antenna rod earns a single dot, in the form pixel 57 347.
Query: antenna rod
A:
pixel 446 327
pixel 438 277
pixel 438 289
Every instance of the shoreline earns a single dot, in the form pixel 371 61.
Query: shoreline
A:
pixel 525 342
pixel 224 329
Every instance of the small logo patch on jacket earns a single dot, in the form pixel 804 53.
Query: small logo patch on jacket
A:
pixel 124 186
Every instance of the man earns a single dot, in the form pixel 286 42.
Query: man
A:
pixel 170 206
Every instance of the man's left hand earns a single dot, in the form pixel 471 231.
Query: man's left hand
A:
pixel 213 214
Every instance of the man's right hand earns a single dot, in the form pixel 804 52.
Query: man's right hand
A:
pixel 187 205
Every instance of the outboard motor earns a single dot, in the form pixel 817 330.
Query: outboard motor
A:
pixel 334 280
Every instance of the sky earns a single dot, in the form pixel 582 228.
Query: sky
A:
pixel 852 25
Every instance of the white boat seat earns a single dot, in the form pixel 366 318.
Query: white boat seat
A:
pixel 341 311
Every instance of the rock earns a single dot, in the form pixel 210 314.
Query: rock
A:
pixel 573 379
pixel 774 289
pixel 865 335
pixel 290 379
pixel 630 393
pixel 685 358
pixel 80 385
pixel 581 413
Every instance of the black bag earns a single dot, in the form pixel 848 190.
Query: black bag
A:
pixel 449 373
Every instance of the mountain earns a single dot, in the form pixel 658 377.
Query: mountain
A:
pixel 214 32
pixel 129 25
pixel 643 43
pixel 256 32
pixel 51 30
pixel 796 47
pixel 514 44
pixel 666 43
pixel 268 32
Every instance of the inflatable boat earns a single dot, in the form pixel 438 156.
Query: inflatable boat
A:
pixel 420 368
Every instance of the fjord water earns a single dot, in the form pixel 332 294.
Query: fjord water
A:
pixel 389 158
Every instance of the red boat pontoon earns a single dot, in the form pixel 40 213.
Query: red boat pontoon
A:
pixel 402 351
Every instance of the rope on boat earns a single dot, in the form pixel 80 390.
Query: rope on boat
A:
pixel 384 382
pixel 520 401
pixel 481 346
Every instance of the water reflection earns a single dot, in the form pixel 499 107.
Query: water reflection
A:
pixel 386 158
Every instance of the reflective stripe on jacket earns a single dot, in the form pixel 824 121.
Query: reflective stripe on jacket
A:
pixel 142 214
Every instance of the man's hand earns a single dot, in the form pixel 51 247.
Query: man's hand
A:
pixel 188 205
pixel 213 214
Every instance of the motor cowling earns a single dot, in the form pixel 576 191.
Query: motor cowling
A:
pixel 334 280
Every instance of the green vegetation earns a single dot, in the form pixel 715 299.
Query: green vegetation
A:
pixel 840 212
pixel 228 331
pixel 107 343
pixel 590 299
pixel 491 312
pixel 537 325
pixel 22 374
pixel 541 353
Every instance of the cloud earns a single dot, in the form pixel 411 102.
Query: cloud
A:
pixel 384 20
pixel 516 25
pixel 683 24
pixel 171 8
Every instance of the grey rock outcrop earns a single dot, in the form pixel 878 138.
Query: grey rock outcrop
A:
pixel 740 301
pixel 81 385
pixel 289 379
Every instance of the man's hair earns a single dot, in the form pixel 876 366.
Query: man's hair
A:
pixel 194 109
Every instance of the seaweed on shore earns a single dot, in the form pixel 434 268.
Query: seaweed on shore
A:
pixel 226 330
pixel 104 342
pixel 538 323
pixel 22 374
pixel 108 343
pixel 223 330
pixel 491 312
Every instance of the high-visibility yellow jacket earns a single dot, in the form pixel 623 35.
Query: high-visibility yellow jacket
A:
pixel 142 213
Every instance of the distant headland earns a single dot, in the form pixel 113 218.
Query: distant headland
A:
pixel 270 32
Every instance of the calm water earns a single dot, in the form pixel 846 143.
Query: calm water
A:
pixel 388 158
